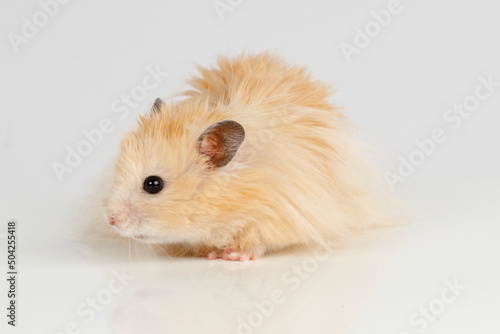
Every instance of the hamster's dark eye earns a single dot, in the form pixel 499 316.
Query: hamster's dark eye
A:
pixel 153 184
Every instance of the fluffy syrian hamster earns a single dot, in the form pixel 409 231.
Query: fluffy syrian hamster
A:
pixel 254 160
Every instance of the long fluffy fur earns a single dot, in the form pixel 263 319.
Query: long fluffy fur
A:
pixel 298 179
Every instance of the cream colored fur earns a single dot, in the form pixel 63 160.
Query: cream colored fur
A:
pixel 299 177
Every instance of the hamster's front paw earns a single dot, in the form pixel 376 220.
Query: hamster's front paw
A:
pixel 230 254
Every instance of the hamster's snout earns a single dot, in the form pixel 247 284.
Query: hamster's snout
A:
pixel 121 220
pixel 122 214
pixel 127 225
pixel 125 218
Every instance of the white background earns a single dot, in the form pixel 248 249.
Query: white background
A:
pixel 396 91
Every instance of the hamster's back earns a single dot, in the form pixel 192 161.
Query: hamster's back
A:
pixel 316 171
pixel 260 80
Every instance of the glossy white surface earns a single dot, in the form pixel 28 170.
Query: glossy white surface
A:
pixel 374 286
pixel 397 90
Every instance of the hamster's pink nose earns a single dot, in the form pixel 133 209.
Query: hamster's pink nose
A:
pixel 111 220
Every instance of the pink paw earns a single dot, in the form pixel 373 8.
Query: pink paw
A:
pixel 238 255
pixel 213 255
pixel 230 254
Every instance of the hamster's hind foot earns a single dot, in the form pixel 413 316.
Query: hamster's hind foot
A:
pixel 230 254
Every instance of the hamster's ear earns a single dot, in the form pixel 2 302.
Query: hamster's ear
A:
pixel 221 141
pixel 157 106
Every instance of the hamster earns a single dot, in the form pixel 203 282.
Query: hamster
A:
pixel 254 160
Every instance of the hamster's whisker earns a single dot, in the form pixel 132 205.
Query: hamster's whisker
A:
pixel 132 242
pixel 151 248
pixel 161 248
pixel 129 252
pixel 123 246
pixel 135 249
